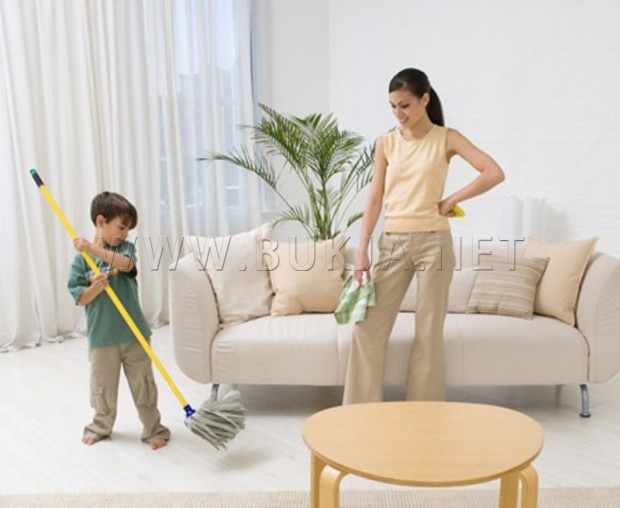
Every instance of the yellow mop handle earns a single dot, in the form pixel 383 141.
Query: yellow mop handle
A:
pixel 118 304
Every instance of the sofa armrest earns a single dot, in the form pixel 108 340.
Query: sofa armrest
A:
pixel 598 316
pixel 194 319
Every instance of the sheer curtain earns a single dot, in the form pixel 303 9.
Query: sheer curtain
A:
pixel 119 96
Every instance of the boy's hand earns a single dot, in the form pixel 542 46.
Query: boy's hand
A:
pixel 82 244
pixel 99 283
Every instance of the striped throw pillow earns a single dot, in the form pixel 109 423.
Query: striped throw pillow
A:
pixel 506 286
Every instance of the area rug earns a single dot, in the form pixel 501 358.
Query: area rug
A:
pixel 608 497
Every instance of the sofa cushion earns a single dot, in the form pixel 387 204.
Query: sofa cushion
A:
pixel 506 286
pixel 558 289
pixel 295 350
pixel 483 349
pixel 241 286
pixel 504 350
pixel 308 277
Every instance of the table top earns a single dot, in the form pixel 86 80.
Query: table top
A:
pixel 424 443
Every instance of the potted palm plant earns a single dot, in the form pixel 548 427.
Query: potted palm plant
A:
pixel 332 165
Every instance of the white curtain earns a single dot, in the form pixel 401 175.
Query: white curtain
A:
pixel 523 216
pixel 120 96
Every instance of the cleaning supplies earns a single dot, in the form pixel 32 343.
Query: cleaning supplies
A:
pixel 458 211
pixel 354 300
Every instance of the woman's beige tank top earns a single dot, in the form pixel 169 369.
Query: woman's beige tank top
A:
pixel 415 181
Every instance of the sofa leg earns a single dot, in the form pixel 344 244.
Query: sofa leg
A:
pixel 215 388
pixel 585 401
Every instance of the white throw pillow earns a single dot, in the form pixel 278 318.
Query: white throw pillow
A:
pixel 241 286
pixel 307 284
pixel 559 287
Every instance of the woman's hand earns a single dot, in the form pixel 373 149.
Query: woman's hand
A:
pixel 445 207
pixel 362 267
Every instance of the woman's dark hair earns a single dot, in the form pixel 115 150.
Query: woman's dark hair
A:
pixel 416 82
pixel 112 205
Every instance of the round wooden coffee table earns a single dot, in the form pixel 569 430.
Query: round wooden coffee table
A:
pixel 425 444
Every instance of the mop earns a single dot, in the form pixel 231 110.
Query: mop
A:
pixel 217 421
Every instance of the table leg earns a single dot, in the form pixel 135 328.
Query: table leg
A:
pixel 529 487
pixel 316 468
pixel 509 490
pixel 329 495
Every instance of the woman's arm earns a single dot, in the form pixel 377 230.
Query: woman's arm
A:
pixel 372 210
pixel 490 172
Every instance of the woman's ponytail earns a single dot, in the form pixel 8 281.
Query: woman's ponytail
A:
pixel 434 109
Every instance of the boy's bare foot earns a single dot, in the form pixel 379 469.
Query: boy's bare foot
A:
pixel 90 439
pixel 156 443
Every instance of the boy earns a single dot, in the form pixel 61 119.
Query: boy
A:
pixel 111 342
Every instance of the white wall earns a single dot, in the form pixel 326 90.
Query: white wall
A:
pixel 294 61
pixel 534 83
pixel 293 70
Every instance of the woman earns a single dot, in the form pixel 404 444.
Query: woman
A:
pixel 409 176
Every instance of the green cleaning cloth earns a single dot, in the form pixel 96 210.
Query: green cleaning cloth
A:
pixel 354 300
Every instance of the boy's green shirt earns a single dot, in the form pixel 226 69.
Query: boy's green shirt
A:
pixel 104 324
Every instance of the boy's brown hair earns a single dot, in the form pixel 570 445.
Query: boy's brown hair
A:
pixel 111 205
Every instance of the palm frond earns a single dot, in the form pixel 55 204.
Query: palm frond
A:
pixel 254 162
pixel 296 213
pixel 360 172
pixel 333 166
pixel 354 218
pixel 281 136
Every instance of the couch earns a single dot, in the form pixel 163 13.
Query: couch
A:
pixel 580 347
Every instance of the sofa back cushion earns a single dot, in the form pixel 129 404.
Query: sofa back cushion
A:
pixel 506 286
pixel 559 287
pixel 308 277
pixel 241 286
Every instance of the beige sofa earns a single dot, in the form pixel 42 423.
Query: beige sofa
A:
pixel 481 349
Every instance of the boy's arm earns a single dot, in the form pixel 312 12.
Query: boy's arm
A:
pixel 116 259
pixel 81 288
pixel 97 286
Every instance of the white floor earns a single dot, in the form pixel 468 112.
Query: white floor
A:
pixel 44 401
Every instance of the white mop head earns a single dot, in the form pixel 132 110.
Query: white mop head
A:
pixel 218 421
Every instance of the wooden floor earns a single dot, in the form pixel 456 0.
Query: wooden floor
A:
pixel 44 401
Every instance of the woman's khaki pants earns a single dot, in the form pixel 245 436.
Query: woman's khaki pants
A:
pixel 428 256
